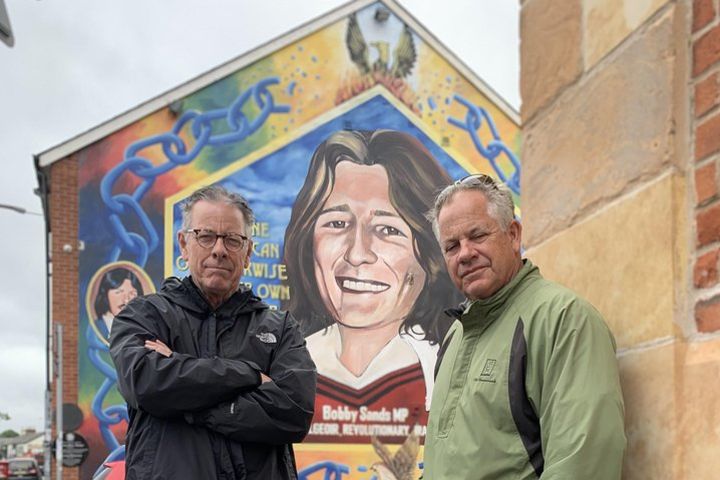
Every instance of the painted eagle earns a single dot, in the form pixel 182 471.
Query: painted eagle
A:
pixel 400 466
pixel 404 55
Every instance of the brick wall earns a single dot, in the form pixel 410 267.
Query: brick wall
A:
pixel 621 202
pixel 63 209
pixel 705 80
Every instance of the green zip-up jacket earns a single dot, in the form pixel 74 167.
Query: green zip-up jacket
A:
pixel 527 387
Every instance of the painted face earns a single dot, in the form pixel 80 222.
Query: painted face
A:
pixel 365 264
pixel 119 297
pixel 480 257
pixel 215 270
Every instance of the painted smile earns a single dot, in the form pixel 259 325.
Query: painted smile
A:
pixel 356 285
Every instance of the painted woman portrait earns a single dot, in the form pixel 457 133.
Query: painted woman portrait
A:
pixel 117 287
pixel 367 279
pixel 109 290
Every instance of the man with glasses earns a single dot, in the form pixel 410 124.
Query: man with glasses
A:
pixel 527 381
pixel 217 384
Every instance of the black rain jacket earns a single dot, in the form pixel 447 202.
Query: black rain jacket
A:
pixel 202 413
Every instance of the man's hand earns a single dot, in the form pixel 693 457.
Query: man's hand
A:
pixel 264 378
pixel 159 347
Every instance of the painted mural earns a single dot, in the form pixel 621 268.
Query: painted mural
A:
pixel 363 99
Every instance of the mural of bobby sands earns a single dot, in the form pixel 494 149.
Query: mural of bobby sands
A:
pixel 368 284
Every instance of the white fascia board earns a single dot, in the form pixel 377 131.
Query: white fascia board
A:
pixel 84 139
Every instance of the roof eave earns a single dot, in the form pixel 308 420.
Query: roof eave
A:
pixel 82 140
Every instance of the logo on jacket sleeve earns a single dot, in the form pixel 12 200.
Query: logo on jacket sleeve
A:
pixel 267 337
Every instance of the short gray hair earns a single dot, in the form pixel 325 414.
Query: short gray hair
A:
pixel 499 199
pixel 216 194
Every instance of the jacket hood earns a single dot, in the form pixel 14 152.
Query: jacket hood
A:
pixel 185 293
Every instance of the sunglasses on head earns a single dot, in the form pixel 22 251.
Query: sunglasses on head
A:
pixel 477 179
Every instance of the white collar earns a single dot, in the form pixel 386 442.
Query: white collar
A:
pixel 401 351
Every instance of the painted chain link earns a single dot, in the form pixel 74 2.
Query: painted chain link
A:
pixel 221 126
pixel 201 126
pixel 495 148
pixel 330 471
pixel 204 129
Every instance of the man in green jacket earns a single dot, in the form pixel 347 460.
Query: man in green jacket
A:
pixel 527 381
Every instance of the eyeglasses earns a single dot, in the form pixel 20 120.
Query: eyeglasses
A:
pixel 478 179
pixel 208 239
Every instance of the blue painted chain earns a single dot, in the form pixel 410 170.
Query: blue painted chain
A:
pixel 212 128
pixel 494 148
pixel 233 125
pixel 178 153
pixel 330 470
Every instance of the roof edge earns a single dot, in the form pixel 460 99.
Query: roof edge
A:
pixel 454 60
pixel 81 140
pixel 92 135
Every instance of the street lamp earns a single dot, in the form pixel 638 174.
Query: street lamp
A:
pixel 48 418
pixel 6 34
pixel 21 210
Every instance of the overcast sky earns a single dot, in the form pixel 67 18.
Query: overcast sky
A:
pixel 76 64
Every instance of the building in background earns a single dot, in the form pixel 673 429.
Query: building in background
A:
pixel 366 72
pixel 28 444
